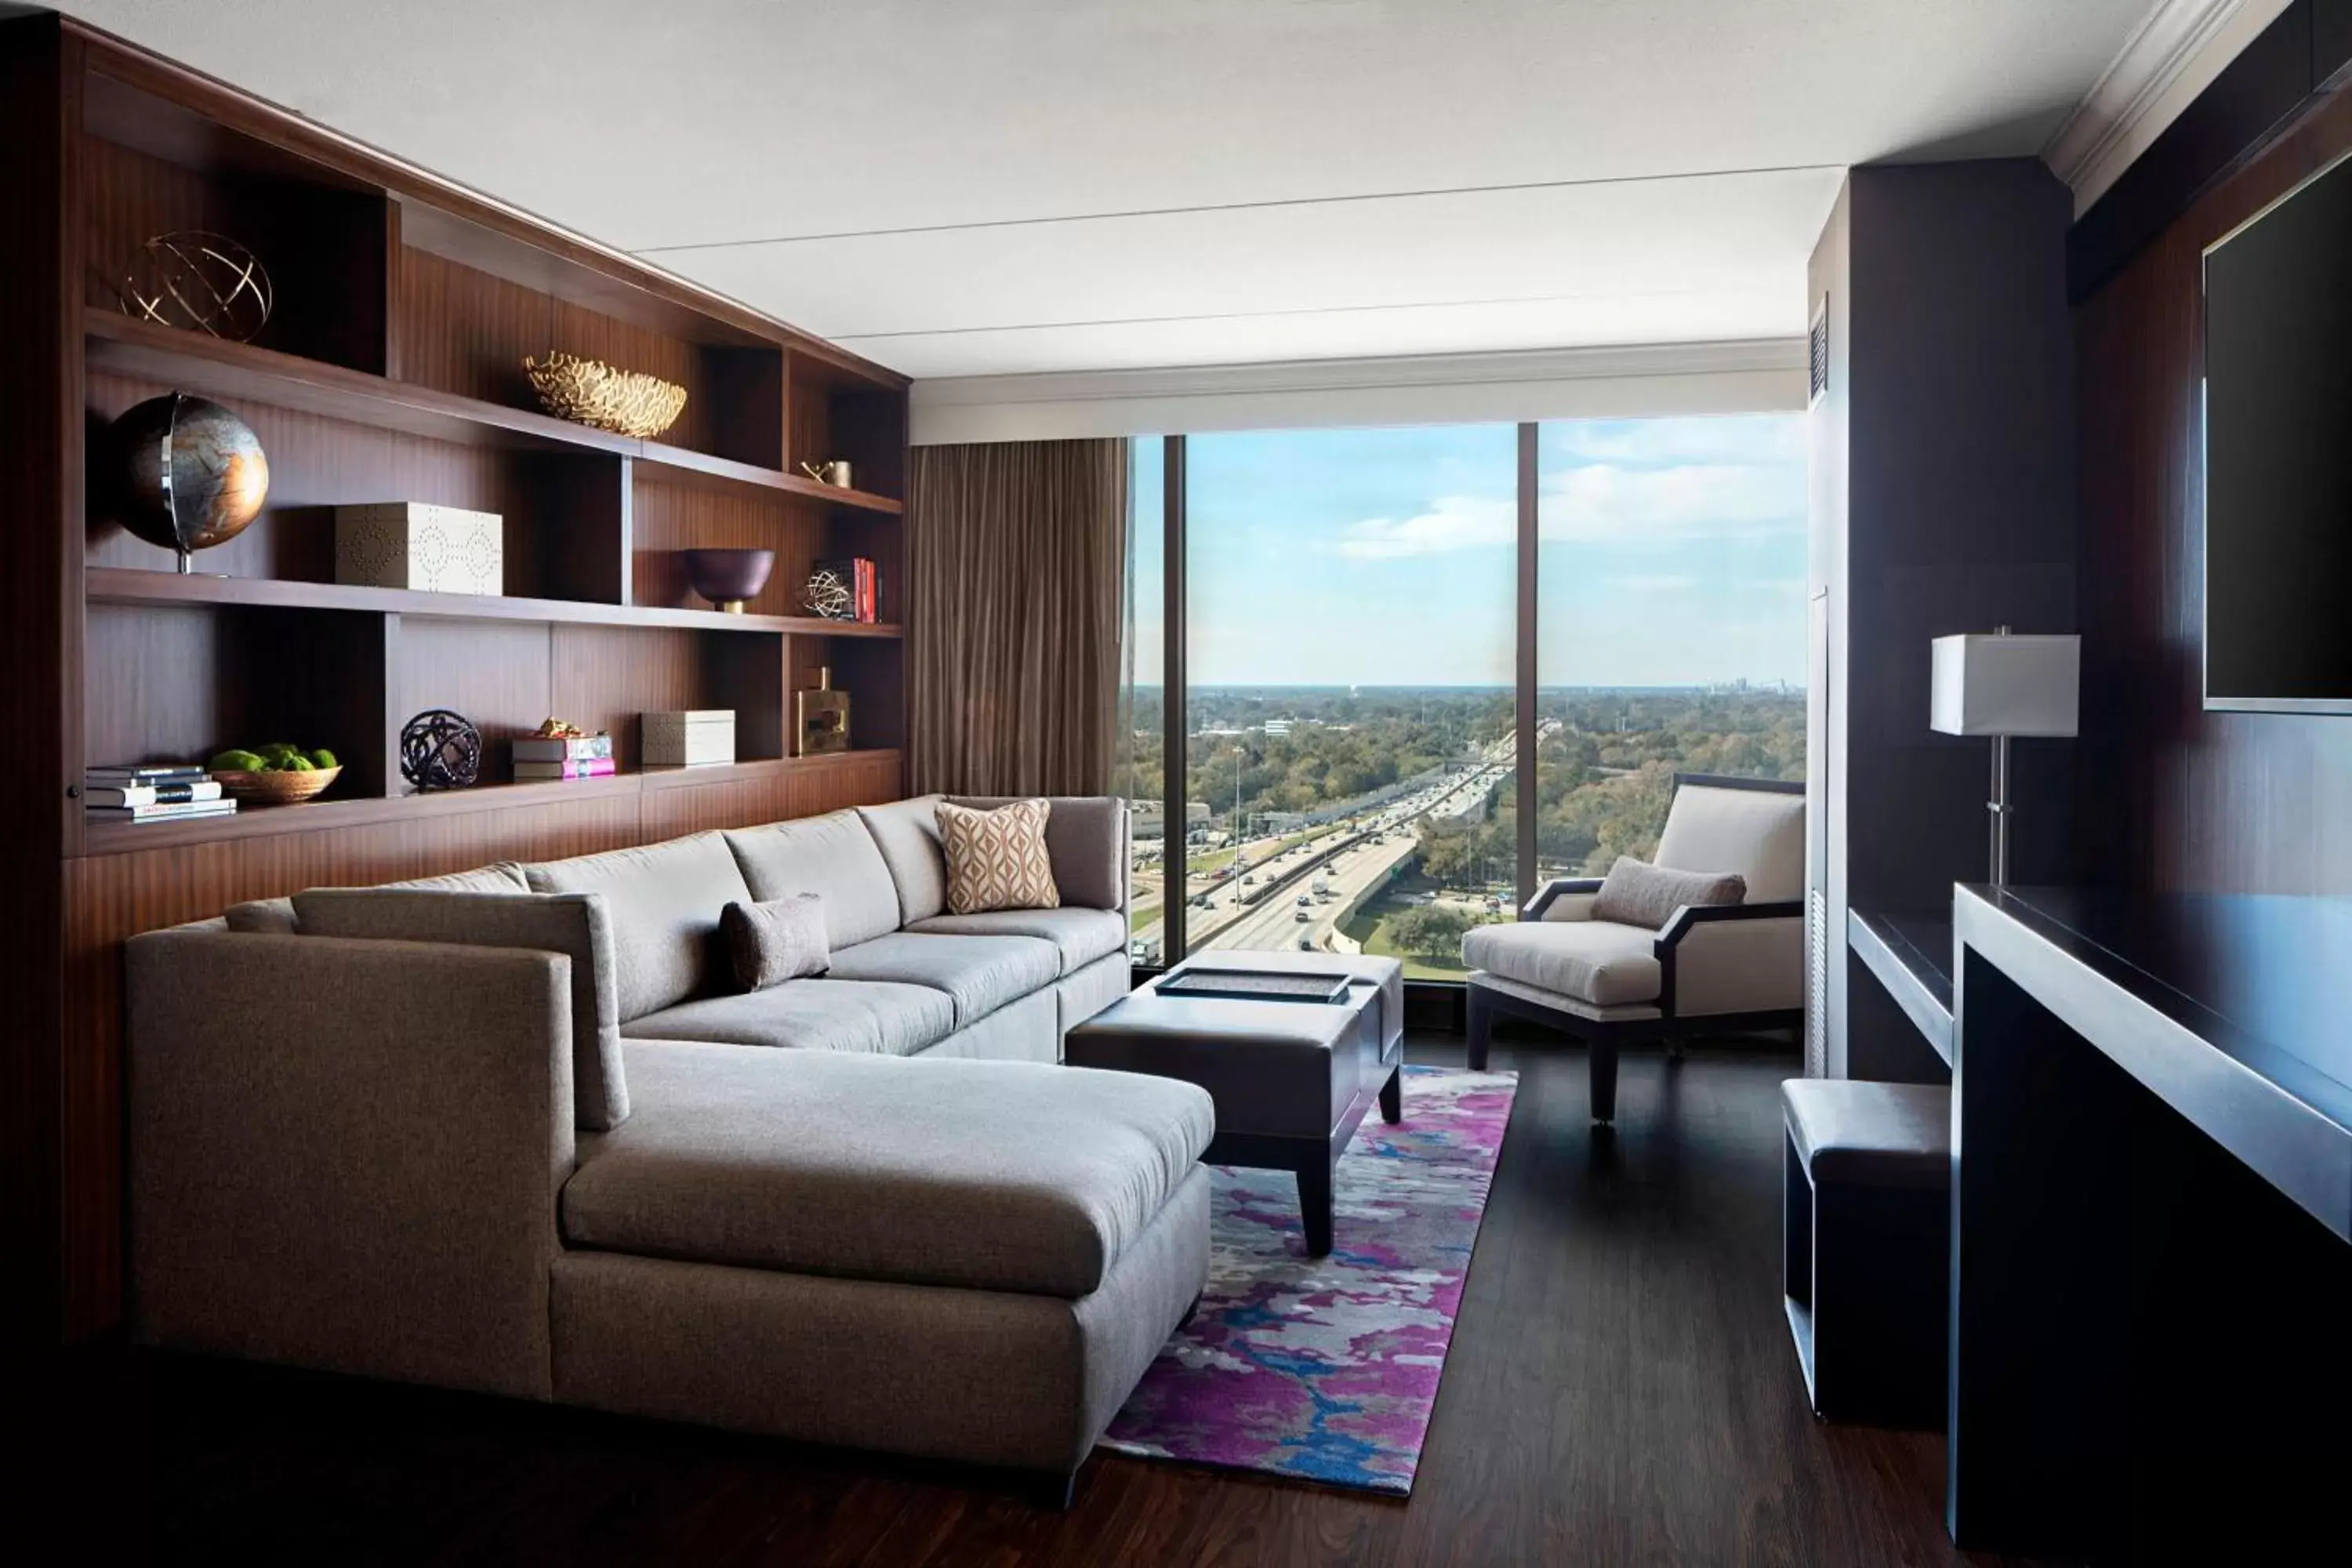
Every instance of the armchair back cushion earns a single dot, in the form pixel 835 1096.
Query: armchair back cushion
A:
pixel 664 901
pixel 1086 839
pixel 578 925
pixel 833 857
pixel 1758 835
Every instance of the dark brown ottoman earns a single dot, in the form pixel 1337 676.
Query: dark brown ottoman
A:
pixel 1291 1081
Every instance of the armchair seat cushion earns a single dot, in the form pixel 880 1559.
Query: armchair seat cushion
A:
pixel 1596 962
pixel 812 1015
pixel 1079 935
pixel 1009 1176
pixel 979 973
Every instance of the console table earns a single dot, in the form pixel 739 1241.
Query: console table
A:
pixel 2151 1280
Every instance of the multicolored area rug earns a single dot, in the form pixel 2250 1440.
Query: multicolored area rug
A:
pixel 1326 1369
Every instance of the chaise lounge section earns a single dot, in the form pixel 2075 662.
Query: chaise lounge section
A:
pixel 532 1148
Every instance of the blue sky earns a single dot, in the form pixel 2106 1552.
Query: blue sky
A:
pixel 1672 553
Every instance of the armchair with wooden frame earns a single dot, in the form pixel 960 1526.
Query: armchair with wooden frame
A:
pixel 1710 970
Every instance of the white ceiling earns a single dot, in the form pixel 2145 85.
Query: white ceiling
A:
pixel 961 187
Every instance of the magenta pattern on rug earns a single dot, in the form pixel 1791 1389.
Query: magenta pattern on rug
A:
pixel 1326 1368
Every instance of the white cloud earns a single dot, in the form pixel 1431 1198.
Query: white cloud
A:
pixel 1452 523
pixel 1648 443
pixel 1604 502
pixel 1600 503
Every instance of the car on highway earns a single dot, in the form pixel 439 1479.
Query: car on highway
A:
pixel 1304 915
pixel 1306 944
pixel 1143 951
pixel 1302 901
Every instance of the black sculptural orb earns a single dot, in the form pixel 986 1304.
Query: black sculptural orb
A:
pixel 440 750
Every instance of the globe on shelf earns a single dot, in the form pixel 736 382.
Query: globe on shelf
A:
pixel 199 282
pixel 183 473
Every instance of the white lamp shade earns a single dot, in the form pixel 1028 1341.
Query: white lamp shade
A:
pixel 1993 685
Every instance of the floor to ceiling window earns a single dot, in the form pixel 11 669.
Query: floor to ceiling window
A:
pixel 1349 626
pixel 1671 621
pixel 1348 688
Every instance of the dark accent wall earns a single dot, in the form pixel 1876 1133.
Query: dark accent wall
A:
pixel 2174 797
pixel 2275 78
pixel 1943 501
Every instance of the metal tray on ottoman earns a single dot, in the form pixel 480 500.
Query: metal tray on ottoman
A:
pixel 1291 1081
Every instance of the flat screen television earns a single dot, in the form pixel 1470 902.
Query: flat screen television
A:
pixel 2278 455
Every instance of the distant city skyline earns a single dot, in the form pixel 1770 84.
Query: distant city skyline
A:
pixel 1672 555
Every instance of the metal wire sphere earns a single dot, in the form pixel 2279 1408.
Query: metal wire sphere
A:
pixel 440 750
pixel 200 282
pixel 827 596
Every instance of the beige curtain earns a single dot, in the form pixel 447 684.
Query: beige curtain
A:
pixel 1017 558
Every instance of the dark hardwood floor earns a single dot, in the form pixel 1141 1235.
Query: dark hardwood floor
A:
pixel 1622 1391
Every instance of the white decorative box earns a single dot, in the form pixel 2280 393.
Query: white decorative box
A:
pixel 689 739
pixel 409 544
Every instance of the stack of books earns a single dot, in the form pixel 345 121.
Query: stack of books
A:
pixel 857 574
pixel 542 757
pixel 152 792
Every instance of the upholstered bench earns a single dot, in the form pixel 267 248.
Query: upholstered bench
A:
pixel 1867 1227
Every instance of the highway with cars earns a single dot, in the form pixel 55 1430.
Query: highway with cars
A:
pixel 1276 903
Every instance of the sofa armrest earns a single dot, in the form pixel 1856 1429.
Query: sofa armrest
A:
pixel 1732 957
pixel 1086 839
pixel 348 1154
pixel 1563 898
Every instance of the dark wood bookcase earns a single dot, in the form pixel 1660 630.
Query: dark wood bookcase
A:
pixel 390 369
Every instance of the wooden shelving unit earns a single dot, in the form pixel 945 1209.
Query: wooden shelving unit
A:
pixel 120 585
pixel 390 369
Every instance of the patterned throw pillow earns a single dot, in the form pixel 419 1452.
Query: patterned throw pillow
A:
pixel 996 859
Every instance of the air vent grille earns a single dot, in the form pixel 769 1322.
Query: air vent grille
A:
pixel 1817 341
pixel 1817 985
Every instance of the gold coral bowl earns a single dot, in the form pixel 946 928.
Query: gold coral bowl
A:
pixel 590 392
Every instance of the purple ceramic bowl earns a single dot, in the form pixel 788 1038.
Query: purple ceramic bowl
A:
pixel 728 577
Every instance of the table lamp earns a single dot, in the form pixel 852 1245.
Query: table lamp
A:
pixel 2001 686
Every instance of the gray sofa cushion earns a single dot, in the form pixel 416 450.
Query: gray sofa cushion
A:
pixel 980 973
pixel 1086 836
pixel 1079 935
pixel 908 834
pixel 577 925
pixel 275 916
pixel 989 1175
pixel 812 1015
pixel 666 900
pixel 833 857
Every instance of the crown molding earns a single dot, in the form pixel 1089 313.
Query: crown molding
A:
pixel 2178 49
pixel 1357 374
pixel 1629 381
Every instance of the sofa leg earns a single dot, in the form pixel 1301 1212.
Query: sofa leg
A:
pixel 1481 1026
pixel 1054 1491
pixel 1604 1082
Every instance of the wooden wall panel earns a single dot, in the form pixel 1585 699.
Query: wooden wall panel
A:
pixel 500 674
pixel 2172 798
pixel 320 245
pixel 466 332
pixel 668 517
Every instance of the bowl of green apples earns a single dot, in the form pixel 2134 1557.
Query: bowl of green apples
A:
pixel 275 774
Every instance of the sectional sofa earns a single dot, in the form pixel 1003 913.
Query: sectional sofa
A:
pixel 515 1130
